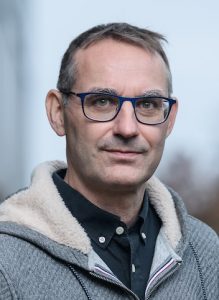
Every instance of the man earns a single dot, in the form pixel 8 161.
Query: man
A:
pixel 102 226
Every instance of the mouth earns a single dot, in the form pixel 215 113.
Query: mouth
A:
pixel 123 151
pixel 122 154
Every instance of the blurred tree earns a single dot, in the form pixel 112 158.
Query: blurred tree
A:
pixel 200 192
pixel 211 213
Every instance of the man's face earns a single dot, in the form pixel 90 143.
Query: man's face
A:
pixel 122 153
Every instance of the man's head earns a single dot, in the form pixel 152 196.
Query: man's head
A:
pixel 122 153
pixel 123 32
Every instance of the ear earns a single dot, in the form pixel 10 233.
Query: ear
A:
pixel 55 111
pixel 172 117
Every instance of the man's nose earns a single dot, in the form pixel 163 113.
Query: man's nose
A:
pixel 125 123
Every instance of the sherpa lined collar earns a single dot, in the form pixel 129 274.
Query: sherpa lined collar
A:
pixel 49 215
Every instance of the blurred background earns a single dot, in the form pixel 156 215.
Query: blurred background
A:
pixel 34 35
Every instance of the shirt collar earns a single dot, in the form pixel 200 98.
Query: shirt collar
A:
pixel 96 222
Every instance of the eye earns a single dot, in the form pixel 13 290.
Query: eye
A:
pixel 149 103
pixel 101 101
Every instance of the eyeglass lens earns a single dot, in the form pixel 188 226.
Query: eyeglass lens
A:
pixel 103 107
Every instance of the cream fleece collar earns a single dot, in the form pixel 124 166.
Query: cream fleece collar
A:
pixel 41 208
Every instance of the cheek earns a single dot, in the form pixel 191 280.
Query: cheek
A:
pixel 73 132
pixel 83 135
pixel 155 136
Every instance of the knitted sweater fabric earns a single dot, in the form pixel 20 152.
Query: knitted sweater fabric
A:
pixel 46 254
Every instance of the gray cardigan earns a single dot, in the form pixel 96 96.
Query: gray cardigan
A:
pixel 46 254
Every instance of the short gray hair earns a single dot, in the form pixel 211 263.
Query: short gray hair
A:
pixel 123 32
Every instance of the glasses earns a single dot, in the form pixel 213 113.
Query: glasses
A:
pixel 103 107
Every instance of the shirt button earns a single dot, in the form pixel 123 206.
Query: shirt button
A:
pixel 143 235
pixel 133 268
pixel 120 230
pixel 102 239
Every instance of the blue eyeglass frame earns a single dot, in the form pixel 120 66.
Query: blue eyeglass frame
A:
pixel 121 101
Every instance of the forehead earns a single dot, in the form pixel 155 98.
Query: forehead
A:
pixel 119 65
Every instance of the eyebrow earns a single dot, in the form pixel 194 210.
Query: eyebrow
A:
pixel 151 93
pixel 147 93
pixel 103 90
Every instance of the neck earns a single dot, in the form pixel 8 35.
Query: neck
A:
pixel 126 204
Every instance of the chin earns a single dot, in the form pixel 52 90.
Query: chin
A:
pixel 125 182
pixel 131 176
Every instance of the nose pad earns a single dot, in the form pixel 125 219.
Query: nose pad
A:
pixel 127 108
pixel 126 123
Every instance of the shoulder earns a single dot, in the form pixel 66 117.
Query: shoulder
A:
pixel 7 290
pixel 18 244
pixel 204 251
pixel 199 231
pixel 11 248
pixel 204 243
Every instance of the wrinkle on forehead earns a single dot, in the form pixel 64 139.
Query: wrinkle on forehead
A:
pixel 107 64
pixel 112 91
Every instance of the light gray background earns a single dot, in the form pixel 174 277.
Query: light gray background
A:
pixel 33 37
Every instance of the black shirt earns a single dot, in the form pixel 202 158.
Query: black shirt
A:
pixel 128 252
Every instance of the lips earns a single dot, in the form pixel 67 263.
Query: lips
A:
pixel 126 151
pixel 118 150
pixel 123 155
